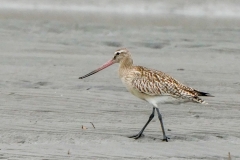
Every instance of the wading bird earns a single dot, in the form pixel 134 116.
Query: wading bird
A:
pixel 150 85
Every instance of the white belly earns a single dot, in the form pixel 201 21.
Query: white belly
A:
pixel 165 99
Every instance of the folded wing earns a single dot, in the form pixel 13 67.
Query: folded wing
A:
pixel 156 83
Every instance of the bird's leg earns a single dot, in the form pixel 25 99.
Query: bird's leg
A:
pixel 165 138
pixel 149 120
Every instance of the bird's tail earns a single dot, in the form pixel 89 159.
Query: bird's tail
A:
pixel 203 94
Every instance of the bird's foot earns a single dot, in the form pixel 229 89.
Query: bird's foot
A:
pixel 165 138
pixel 136 136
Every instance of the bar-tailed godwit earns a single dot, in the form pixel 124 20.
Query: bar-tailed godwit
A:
pixel 150 85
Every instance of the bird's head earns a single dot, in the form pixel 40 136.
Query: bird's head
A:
pixel 120 55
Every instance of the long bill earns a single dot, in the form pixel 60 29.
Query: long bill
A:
pixel 107 64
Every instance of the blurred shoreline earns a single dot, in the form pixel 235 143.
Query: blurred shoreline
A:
pixel 113 20
pixel 197 8
pixel 197 14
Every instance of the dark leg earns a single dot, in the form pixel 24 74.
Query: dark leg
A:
pixel 140 133
pixel 165 138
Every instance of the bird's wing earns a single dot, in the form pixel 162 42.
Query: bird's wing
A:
pixel 153 82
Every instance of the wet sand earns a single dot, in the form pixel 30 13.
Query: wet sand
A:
pixel 44 105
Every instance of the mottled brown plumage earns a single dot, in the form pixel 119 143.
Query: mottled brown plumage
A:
pixel 152 83
pixel 157 83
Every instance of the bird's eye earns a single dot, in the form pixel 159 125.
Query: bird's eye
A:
pixel 117 53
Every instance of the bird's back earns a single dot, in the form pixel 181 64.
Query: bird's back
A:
pixel 156 83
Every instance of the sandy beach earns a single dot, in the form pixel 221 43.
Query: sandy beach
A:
pixel 43 104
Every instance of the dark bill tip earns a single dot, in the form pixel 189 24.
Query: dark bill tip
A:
pixel 89 74
pixel 109 63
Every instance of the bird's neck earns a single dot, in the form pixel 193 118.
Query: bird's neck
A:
pixel 125 65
